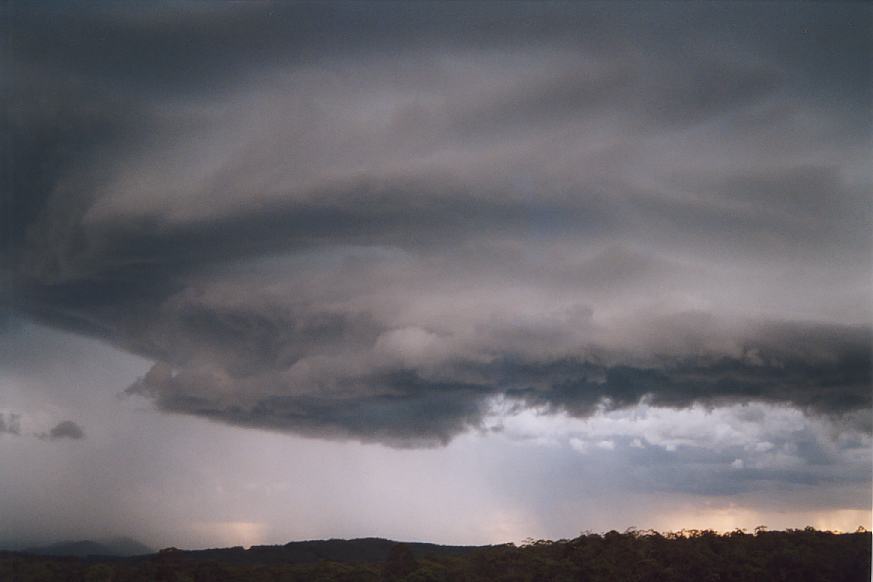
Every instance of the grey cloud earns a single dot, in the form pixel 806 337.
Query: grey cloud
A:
pixel 66 429
pixel 368 223
pixel 10 423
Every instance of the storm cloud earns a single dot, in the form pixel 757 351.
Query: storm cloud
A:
pixel 66 429
pixel 373 223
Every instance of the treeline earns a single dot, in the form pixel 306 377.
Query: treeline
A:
pixel 634 556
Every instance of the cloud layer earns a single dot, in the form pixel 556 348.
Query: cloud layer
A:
pixel 376 223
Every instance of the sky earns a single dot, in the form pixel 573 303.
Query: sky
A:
pixel 453 272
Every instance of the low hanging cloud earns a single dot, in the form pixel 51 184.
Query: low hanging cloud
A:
pixel 10 423
pixel 373 224
pixel 427 394
pixel 66 429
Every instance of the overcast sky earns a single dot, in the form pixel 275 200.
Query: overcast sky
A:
pixel 455 272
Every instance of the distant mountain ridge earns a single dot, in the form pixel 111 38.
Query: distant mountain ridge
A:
pixel 359 550
pixel 117 547
pixel 313 551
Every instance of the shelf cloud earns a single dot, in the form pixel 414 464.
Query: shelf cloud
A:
pixel 374 224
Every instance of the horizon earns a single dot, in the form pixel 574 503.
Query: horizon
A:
pixel 689 532
pixel 461 273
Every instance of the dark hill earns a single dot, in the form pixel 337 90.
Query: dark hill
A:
pixel 307 552
pixel 119 547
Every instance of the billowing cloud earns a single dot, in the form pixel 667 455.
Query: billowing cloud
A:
pixel 419 389
pixel 66 429
pixel 10 424
pixel 376 223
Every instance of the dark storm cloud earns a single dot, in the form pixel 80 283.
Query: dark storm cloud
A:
pixel 397 407
pixel 66 429
pixel 367 221
pixel 818 368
